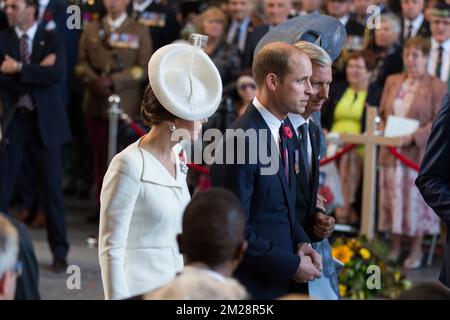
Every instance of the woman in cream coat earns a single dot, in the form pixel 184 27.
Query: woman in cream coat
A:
pixel 144 190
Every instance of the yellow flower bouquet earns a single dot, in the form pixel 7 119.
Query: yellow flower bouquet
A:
pixel 366 273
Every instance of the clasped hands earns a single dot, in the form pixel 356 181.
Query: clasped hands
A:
pixel 11 66
pixel 310 266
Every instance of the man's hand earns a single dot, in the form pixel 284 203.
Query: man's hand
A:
pixel 48 60
pixel 306 271
pixel 323 225
pixel 321 201
pixel 9 66
pixel 305 249
pixel 101 86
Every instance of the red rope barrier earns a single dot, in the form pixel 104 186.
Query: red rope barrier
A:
pixel 407 162
pixel 338 154
pixel 137 129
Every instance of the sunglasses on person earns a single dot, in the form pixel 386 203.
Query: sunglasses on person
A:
pixel 244 86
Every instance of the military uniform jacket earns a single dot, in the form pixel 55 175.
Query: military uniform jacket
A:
pixel 121 54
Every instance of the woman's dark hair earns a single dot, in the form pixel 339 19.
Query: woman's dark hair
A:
pixel 152 111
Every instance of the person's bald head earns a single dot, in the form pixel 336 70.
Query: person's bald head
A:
pixel 213 228
pixel 274 58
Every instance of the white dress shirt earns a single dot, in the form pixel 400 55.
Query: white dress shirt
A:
pixel 297 121
pixel 273 122
pixel 416 23
pixel 445 68
pixel 31 32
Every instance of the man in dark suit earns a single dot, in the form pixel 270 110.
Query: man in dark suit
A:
pixel 276 12
pixel 278 254
pixel 434 176
pixel 310 211
pixel 240 24
pixel 32 67
pixel 307 139
pixel 413 20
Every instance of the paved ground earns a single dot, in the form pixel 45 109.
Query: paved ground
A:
pixel 82 255
pixel 54 286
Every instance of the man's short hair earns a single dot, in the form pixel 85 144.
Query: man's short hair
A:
pixel 213 227
pixel 315 53
pixel 9 245
pixel 271 60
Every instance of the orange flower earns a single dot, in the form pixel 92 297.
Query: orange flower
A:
pixel 343 253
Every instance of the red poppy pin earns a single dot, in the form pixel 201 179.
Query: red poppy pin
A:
pixel 48 15
pixel 288 132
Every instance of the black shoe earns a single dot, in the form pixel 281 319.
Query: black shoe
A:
pixel 59 265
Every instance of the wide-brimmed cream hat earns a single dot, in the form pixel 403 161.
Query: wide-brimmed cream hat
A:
pixel 185 81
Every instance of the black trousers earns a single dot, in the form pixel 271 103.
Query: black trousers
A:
pixel 24 142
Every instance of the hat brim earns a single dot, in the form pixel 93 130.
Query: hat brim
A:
pixel 309 28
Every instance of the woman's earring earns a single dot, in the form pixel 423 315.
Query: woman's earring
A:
pixel 172 128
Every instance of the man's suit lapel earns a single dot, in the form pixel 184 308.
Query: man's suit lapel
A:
pixel 315 153
pixel 270 141
pixel 38 45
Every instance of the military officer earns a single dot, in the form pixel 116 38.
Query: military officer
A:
pixel 113 57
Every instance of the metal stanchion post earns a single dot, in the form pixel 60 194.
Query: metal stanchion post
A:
pixel 113 115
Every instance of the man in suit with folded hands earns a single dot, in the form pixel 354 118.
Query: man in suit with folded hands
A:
pixel 278 254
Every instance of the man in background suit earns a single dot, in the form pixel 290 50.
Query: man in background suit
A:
pixel 413 22
pixel 439 60
pixel 434 176
pixel 276 12
pixel 33 65
pixel 240 24
pixel 278 254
